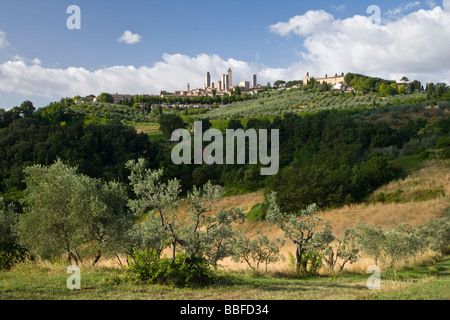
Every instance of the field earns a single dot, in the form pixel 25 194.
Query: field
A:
pixel 48 282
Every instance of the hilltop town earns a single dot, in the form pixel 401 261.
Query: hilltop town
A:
pixel 224 86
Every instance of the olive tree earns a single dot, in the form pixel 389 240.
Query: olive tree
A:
pixel 310 234
pixel 206 231
pixel 400 244
pixel 258 250
pixel 345 250
pixel 436 234
pixel 10 251
pixel 371 240
pixel 64 210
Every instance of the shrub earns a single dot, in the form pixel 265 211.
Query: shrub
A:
pixel 258 212
pixel 443 142
pixel 184 272
pixel 10 252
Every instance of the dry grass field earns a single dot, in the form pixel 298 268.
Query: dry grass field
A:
pixel 433 175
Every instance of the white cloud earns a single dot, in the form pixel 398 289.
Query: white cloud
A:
pixel 130 38
pixel 27 77
pixel 401 9
pixel 431 3
pixel 414 44
pixel 310 22
pixel 339 8
pixel 3 41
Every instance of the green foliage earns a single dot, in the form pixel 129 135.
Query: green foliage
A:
pixel 436 234
pixel 184 272
pixel 170 122
pixel 344 250
pixel 371 240
pixel 258 212
pixel 64 210
pixel 10 251
pixel 106 98
pixel 200 234
pixel 310 234
pixel 257 251
pixel 443 142
pixel 400 244
pixel 98 151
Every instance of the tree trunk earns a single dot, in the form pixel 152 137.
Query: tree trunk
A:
pixel 174 245
pixel 118 258
pixel 97 257
pixel 298 262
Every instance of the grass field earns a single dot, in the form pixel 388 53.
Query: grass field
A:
pixel 44 281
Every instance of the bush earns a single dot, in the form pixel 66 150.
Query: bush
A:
pixel 8 258
pixel 181 271
pixel 443 142
pixel 258 212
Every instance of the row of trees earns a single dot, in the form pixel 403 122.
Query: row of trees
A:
pixel 69 213
pixel 366 84
pixel 316 246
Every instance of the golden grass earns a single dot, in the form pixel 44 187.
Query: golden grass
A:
pixel 433 175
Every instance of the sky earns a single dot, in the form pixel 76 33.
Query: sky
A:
pixel 144 47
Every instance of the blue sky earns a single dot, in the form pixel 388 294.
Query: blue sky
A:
pixel 41 60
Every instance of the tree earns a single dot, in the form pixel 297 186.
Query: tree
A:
pixel 388 90
pixel 27 109
pixel 404 80
pixel 400 244
pixel 257 251
pixel 345 249
pixel 106 98
pixel 169 122
pixel 64 210
pixel 279 83
pixel 10 251
pixel 436 234
pixel 371 240
pixel 201 234
pixel 310 234
pixel 235 124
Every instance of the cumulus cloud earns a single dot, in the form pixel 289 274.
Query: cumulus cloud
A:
pixel 28 77
pixel 414 44
pixel 130 38
pixel 313 21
